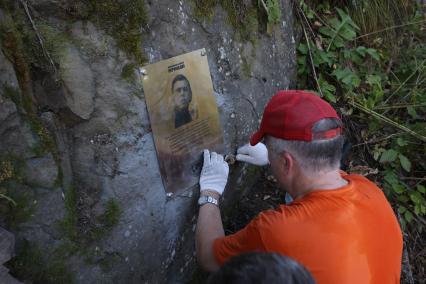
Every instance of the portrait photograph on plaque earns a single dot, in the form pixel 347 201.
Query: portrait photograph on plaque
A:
pixel 184 116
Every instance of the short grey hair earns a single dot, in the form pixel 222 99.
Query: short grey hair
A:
pixel 317 155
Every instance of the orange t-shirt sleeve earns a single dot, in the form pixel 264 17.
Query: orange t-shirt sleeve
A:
pixel 246 240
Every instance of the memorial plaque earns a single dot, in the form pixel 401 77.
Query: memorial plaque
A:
pixel 184 116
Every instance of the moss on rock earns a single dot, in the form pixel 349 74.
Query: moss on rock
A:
pixel 124 20
pixel 70 221
pixel 111 215
pixel 246 17
pixel 77 236
pixel 204 9
pixel 128 72
pixel 31 264
pixel 242 16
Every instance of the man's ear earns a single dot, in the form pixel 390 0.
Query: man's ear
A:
pixel 287 162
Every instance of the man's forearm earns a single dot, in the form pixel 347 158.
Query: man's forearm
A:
pixel 209 228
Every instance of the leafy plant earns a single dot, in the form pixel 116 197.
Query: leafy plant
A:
pixel 382 88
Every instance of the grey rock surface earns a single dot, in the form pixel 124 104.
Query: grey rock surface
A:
pixel 7 251
pixel 15 134
pixel 110 153
pixel 79 83
pixel 7 73
pixel 6 278
pixel 41 172
pixel 7 245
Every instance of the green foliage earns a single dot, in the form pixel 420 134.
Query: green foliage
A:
pixel 274 11
pixel 30 264
pixel 340 30
pixel 387 84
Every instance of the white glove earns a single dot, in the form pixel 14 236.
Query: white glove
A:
pixel 214 174
pixel 256 155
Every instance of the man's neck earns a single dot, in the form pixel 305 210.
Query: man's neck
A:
pixel 328 180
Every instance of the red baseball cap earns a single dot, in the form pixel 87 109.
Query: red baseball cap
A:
pixel 291 114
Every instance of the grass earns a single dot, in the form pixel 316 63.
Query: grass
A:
pixel 377 15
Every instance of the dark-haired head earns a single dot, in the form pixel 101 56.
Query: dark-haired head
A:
pixel 261 267
pixel 181 91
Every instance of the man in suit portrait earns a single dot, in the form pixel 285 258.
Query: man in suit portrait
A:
pixel 182 97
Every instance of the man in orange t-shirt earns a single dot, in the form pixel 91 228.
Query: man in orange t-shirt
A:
pixel 340 227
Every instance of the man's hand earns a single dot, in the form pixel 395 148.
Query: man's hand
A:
pixel 214 174
pixel 256 155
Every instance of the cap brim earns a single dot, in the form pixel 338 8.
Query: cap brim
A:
pixel 256 137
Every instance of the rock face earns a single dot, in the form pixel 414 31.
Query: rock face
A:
pixel 79 83
pixel 103 155
pixel 7 242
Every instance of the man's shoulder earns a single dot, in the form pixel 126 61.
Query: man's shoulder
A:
pixel 363 184
pixel 283 215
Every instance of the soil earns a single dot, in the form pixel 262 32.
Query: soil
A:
pixel 264 195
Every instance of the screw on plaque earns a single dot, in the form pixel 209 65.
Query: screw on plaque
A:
pixel 169 196
pixel 230 159
pixel 142 71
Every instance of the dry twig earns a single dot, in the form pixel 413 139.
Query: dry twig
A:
pixel 40 38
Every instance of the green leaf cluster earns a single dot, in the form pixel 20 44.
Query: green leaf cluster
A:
pixel 382 88
pixel 274 11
